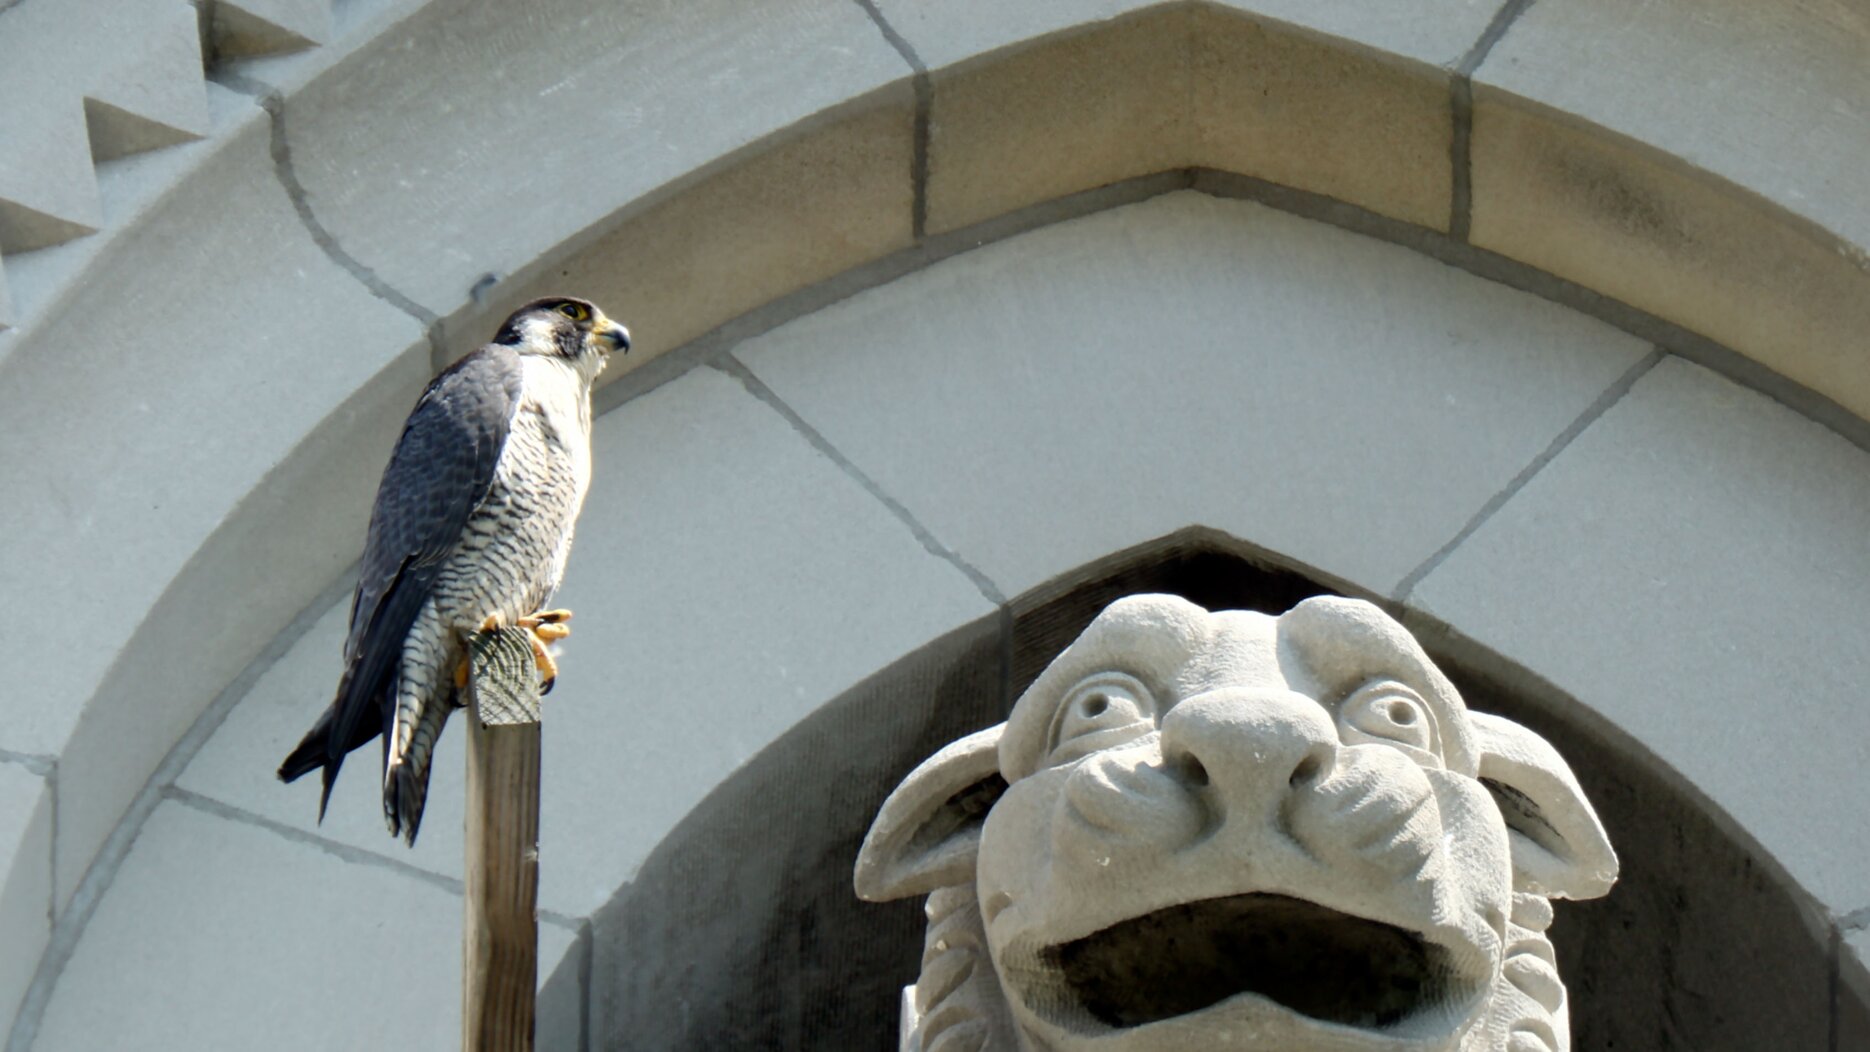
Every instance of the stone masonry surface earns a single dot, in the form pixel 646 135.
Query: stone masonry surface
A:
pixel 1095 384
pixel 223 936
pixel 1701 514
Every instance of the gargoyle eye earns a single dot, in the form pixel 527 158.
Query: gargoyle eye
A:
pixel 1389 713
pixel 1104 710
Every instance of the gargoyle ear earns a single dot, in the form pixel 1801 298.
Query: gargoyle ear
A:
pixel 927 834
pixel 1558 845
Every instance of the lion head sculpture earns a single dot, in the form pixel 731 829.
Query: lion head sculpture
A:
pixel 1234 831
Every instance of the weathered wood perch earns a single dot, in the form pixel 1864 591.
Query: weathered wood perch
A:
pixel 500 934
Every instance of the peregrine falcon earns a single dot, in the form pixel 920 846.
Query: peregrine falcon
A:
pixel 471 529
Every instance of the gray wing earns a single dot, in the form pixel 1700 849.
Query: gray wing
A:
pixel 440 471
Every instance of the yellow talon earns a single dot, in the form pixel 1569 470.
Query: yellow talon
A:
pixel 548 668
pixel 544 627
pixel 545 617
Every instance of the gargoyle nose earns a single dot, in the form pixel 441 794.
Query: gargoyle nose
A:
pixel 1250 748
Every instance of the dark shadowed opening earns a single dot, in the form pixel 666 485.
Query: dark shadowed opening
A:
pixel 1307 957
pixel 741 930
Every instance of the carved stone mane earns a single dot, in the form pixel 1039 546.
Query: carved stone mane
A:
pixel 1228 830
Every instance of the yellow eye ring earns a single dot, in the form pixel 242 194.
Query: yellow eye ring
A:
pixel 575 312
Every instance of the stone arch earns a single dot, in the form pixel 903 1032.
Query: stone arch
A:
pixel 901 144
pixel 770 946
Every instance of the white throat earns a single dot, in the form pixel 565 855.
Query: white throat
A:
pixel 537 343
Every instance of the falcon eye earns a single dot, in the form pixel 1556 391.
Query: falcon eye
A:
pixel 575 312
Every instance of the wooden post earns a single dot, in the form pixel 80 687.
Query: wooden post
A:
pixel 500 936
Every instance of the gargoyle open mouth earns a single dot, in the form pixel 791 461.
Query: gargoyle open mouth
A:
pixel 1309 958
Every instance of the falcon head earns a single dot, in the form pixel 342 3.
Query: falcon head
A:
pixel 563 327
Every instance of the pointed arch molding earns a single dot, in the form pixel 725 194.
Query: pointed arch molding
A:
pixel 767 938
pixel 359 213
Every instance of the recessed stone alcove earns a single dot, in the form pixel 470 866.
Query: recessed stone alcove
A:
pixel 741 929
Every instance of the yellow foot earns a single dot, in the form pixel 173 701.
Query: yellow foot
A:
pixel 548 624
pixel 544 627
pixel 461 674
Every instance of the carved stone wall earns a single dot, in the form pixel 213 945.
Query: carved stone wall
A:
pixel 1661 435
pixel 773 948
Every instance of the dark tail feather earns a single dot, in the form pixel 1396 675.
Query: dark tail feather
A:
pixel 314 752
pixel 330 778
pixel 317 749
pixel 309 756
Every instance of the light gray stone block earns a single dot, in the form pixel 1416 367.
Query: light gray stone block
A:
pixel 85 78
pixel 132 191
pixel 189 402
pixel 1693 568
pixel 346 26
pixel 502 130
pixel 826 201
pixel 152 95
pixel 1437 32
pixel 217 433
pixel 943 34
pixel 1049 399
pixel 303 527
pixel 219 935
pixel 727 581
pixel 25 880
pixel 48 193
pixel 236 765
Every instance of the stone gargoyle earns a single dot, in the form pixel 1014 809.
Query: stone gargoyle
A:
pixel 1234 831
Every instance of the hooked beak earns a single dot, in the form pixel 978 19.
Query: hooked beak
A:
pixel 616 335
